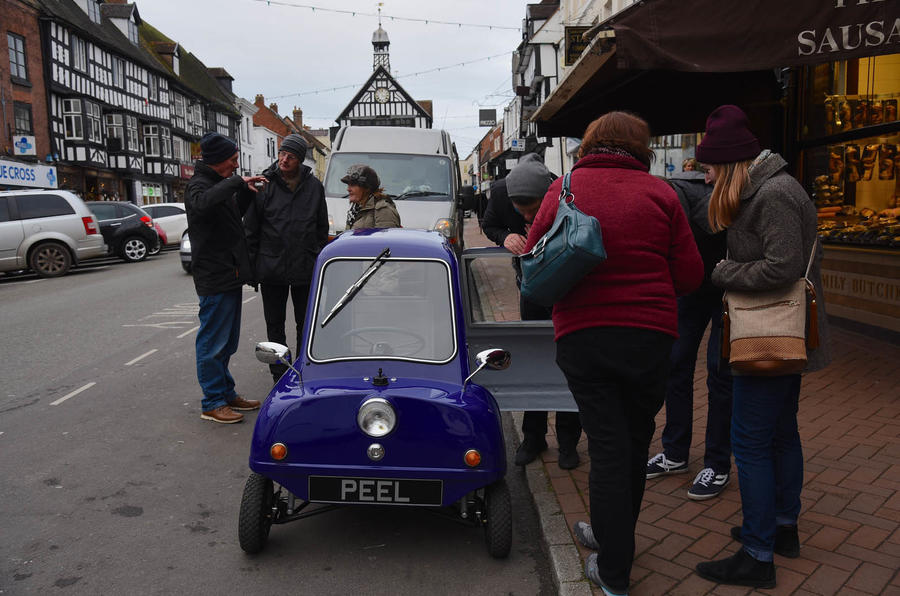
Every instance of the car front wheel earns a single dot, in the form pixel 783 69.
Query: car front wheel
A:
pixel 50 259
pixel 498 525
pixel 256 513
pixel 134 249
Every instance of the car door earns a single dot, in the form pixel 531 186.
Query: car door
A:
pixel 108 219
pixel 11 236
pixel 171 219
pixel 533 381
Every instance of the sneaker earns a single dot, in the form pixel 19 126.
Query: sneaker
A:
pixel 740 569
pixel 223 415
pixel 239 403
pixel 593 573
pixel 787 540
pixel 529 450
pixel 585 535
pixel 708 484
pixel 659 465
pixel 568 459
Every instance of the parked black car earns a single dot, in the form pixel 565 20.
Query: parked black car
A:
pixel 126 228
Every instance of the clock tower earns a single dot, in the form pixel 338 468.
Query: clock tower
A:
pixel 381 43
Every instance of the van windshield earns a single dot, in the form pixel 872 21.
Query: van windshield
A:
pixel 403 177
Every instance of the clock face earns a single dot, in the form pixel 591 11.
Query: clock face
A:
pixel 382 94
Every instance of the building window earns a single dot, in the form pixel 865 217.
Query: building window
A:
pixel 23 120
pixel 131 132
pixel 133 32
pixel 222 124
pixel 195 119
pixel 178 149
pixel 151 140
pixel 115 131
pixel 17 66
pixel 94 11
pixel 178 111
pixel 72 119
pixel 118 73
pixel 154 88
pixel 92 115
pixel 165 141
pixel 79 54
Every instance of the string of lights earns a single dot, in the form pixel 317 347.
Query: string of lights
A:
pixel 386 16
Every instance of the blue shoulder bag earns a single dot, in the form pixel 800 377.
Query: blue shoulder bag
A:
pixel 569 250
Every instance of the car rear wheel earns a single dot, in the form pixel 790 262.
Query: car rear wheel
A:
pixel 134 249
pixel 498 525
pixel 256 514
pixel 155 250
pixel 50 259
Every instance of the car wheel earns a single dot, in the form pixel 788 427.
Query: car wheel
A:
pixel 256 514
pixel 186 267
pixel 134 249
pixel 50 259
pixel 498 525
pixel 157 248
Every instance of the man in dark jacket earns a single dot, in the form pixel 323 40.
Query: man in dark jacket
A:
pixel 286 226
pixel 514 202
pixel 215 199
pixel 695 311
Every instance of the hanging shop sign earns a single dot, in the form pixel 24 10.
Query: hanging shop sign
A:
pixel 487 117
pixel 575 44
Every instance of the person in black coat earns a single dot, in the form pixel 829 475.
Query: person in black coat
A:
pixel 514 202
pixel 286 226
pixel 215 200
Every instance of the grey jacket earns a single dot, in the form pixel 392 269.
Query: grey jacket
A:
pixel 769 242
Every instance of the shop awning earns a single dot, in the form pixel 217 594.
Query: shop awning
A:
pixel 716 36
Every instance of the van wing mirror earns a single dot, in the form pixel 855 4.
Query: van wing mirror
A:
pixel 466 197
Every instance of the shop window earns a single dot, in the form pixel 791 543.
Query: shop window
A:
pixel 151 140
pixel 72 119
pixel 17 64
pixel 79 54
pixel 94 123
pixel 152 194
pixel 23 121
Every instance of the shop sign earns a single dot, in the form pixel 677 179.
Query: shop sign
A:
pixel 574 44
pixel 187 172
pixel 517 144
pixel 511 163
pixel 24 145
pixel 487 117
pixel 876 289
pixel 14 173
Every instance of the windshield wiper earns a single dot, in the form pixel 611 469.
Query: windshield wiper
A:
pixel 417 193
pixel 357 285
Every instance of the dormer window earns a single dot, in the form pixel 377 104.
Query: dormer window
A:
pixel 133 32
pixel 94 11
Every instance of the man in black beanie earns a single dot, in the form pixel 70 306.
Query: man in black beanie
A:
pixel 286 226
pixel 215 199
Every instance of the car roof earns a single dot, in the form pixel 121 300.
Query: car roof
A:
pixel 404 243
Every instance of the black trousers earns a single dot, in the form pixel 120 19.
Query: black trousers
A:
pixel 618 378
pixel 274 298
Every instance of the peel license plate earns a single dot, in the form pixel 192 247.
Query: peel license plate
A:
pixel 385 491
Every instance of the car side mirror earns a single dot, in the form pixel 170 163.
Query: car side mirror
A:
pixel 492 358
pixel 269 352
pixel 466 197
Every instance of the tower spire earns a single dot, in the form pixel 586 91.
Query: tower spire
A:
pixel 380 43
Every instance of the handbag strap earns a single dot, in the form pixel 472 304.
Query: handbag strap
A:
pixel 565 193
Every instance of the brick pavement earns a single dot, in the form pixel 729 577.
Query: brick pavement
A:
pixel 850 522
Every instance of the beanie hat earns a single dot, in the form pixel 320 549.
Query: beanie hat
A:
pixel 728 138
pixel 529 179
pixel 216 148
pixel 294 143
pixel 362 175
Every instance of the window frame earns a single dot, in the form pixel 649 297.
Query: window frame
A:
pixel 94 116
pixel 131 133
pixel 94 11
pixel 17 70
pixel 118 72
pixel 17 107
pixel 72 119
pixel 79 54
pixel 151 140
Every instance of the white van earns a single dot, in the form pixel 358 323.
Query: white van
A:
pixel 418 168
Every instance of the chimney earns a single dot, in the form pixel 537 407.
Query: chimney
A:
pixel 260 101
pixel 298 117
pixel 273 107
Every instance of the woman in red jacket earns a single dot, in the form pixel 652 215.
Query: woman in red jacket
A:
pixel 615 329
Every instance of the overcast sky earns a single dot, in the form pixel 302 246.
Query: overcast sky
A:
pixel 280 50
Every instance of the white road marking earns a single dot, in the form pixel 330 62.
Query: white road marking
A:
pixel 164 325
pixel 141 357
pixel 73 394
pixel 189 331
pixel 249 299
pixel 33 281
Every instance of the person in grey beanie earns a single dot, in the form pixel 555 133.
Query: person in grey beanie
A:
pixel 286 227
pixel 514 202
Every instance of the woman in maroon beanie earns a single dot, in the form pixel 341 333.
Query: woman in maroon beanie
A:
pixel 771 225
pixel 615 329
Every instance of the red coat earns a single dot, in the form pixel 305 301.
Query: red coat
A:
pixel 651 254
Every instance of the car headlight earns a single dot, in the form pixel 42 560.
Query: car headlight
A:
pixel 186 244
pixel 444 226
pixel 331 229
pixel 376 417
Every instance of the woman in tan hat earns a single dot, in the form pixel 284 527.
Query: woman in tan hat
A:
pixel 369 206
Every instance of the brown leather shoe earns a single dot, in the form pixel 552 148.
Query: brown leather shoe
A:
pixel 222 414
pixel 239 403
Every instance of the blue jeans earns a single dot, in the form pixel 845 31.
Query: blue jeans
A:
pixel 769 457
pixel 695 312
pixel 217 340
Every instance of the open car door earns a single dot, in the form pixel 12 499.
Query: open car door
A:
pixel 491 304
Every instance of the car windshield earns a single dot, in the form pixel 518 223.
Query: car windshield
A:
pixel 404 311
pixel 403 177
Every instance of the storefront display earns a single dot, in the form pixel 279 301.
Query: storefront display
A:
pixel 850 136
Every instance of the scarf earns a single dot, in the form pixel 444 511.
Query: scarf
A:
pixel 352 215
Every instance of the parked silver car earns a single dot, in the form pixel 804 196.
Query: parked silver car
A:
pixel 46 231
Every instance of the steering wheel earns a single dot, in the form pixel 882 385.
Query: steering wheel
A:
pixel 416 342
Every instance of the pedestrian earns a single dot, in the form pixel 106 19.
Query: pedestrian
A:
pixel 771 225
pixel 369 206
pixel 615 328
pixel 514 202
pixel 286 226
pixel 690 165
pixel 695 312
pixel 215 200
